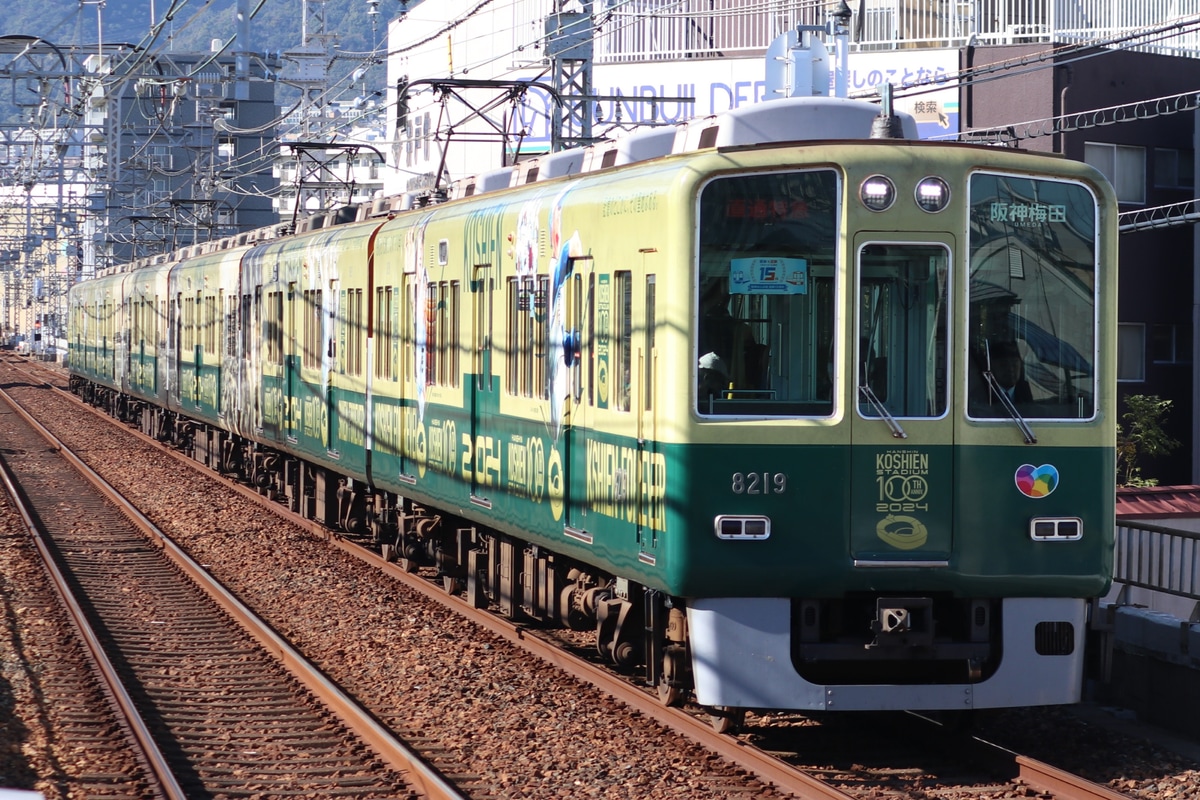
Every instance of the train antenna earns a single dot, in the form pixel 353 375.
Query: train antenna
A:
pixel 887 125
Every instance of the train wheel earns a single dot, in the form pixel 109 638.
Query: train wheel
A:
pixel 725 719
pixel 452 585
pixel 669 690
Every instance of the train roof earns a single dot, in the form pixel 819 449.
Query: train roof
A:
pixel 784 120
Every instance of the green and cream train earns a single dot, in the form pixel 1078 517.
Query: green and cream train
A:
pixel 793 417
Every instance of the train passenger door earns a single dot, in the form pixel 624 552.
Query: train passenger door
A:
pixel 900 388
pixel 650 481
pixel 272 383
pixel 329 315
pixel 290 365
pixel 480 393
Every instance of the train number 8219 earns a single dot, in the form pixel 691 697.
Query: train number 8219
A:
pixel 759 482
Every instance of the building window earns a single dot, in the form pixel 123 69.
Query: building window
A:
pixel 1171 344
pixel 1123 165
pixel 1131 351
pixel 1174 169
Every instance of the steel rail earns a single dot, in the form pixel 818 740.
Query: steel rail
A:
pixel 394 752
pixel 157 763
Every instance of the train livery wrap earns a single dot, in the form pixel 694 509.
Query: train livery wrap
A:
pixel 792 417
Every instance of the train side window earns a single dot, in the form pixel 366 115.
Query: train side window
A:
pixel 441 337
pixel 432 335
pixel 312 329
pixel 452 327
pixel 526 334
pixel 383 332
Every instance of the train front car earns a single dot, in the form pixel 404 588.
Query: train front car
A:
pixel 900 452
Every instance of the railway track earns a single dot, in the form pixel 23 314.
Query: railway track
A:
pixel 211 707
pixel 762 763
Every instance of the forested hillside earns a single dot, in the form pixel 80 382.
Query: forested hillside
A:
pixel 193 24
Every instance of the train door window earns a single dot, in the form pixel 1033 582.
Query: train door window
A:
pixel 354 332
pixel 1032 315
pixel 198 323
pixel 274 333
pixel 573 326
pixel 211 325
pixel 189 325
pixel 902 330
pixel 246 327
pixel 173 327
pixel 622 334
pixel 481 295
pixel 766 294
pixel 648 378
pixel 541 322
pixel 590 339
pixel 287 337
pixel 408 351
pixel 232 321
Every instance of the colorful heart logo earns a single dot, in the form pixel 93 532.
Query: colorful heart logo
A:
pixel 1036 481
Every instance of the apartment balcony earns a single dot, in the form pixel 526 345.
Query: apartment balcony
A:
pixel 671 30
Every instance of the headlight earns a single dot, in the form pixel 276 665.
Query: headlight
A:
pixel 877 193
pixel 933 194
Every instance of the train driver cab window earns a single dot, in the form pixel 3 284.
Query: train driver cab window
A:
pixel 765 294
pixel 1031 326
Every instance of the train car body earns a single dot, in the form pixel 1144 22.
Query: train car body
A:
pixel 824 423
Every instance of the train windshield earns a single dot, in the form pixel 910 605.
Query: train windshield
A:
pixel 1032 298
pixel 764 334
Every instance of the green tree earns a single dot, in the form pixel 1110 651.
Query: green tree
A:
pixel 1142 435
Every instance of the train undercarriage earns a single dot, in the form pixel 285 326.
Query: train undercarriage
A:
pixel 519 580
pixel 855 640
